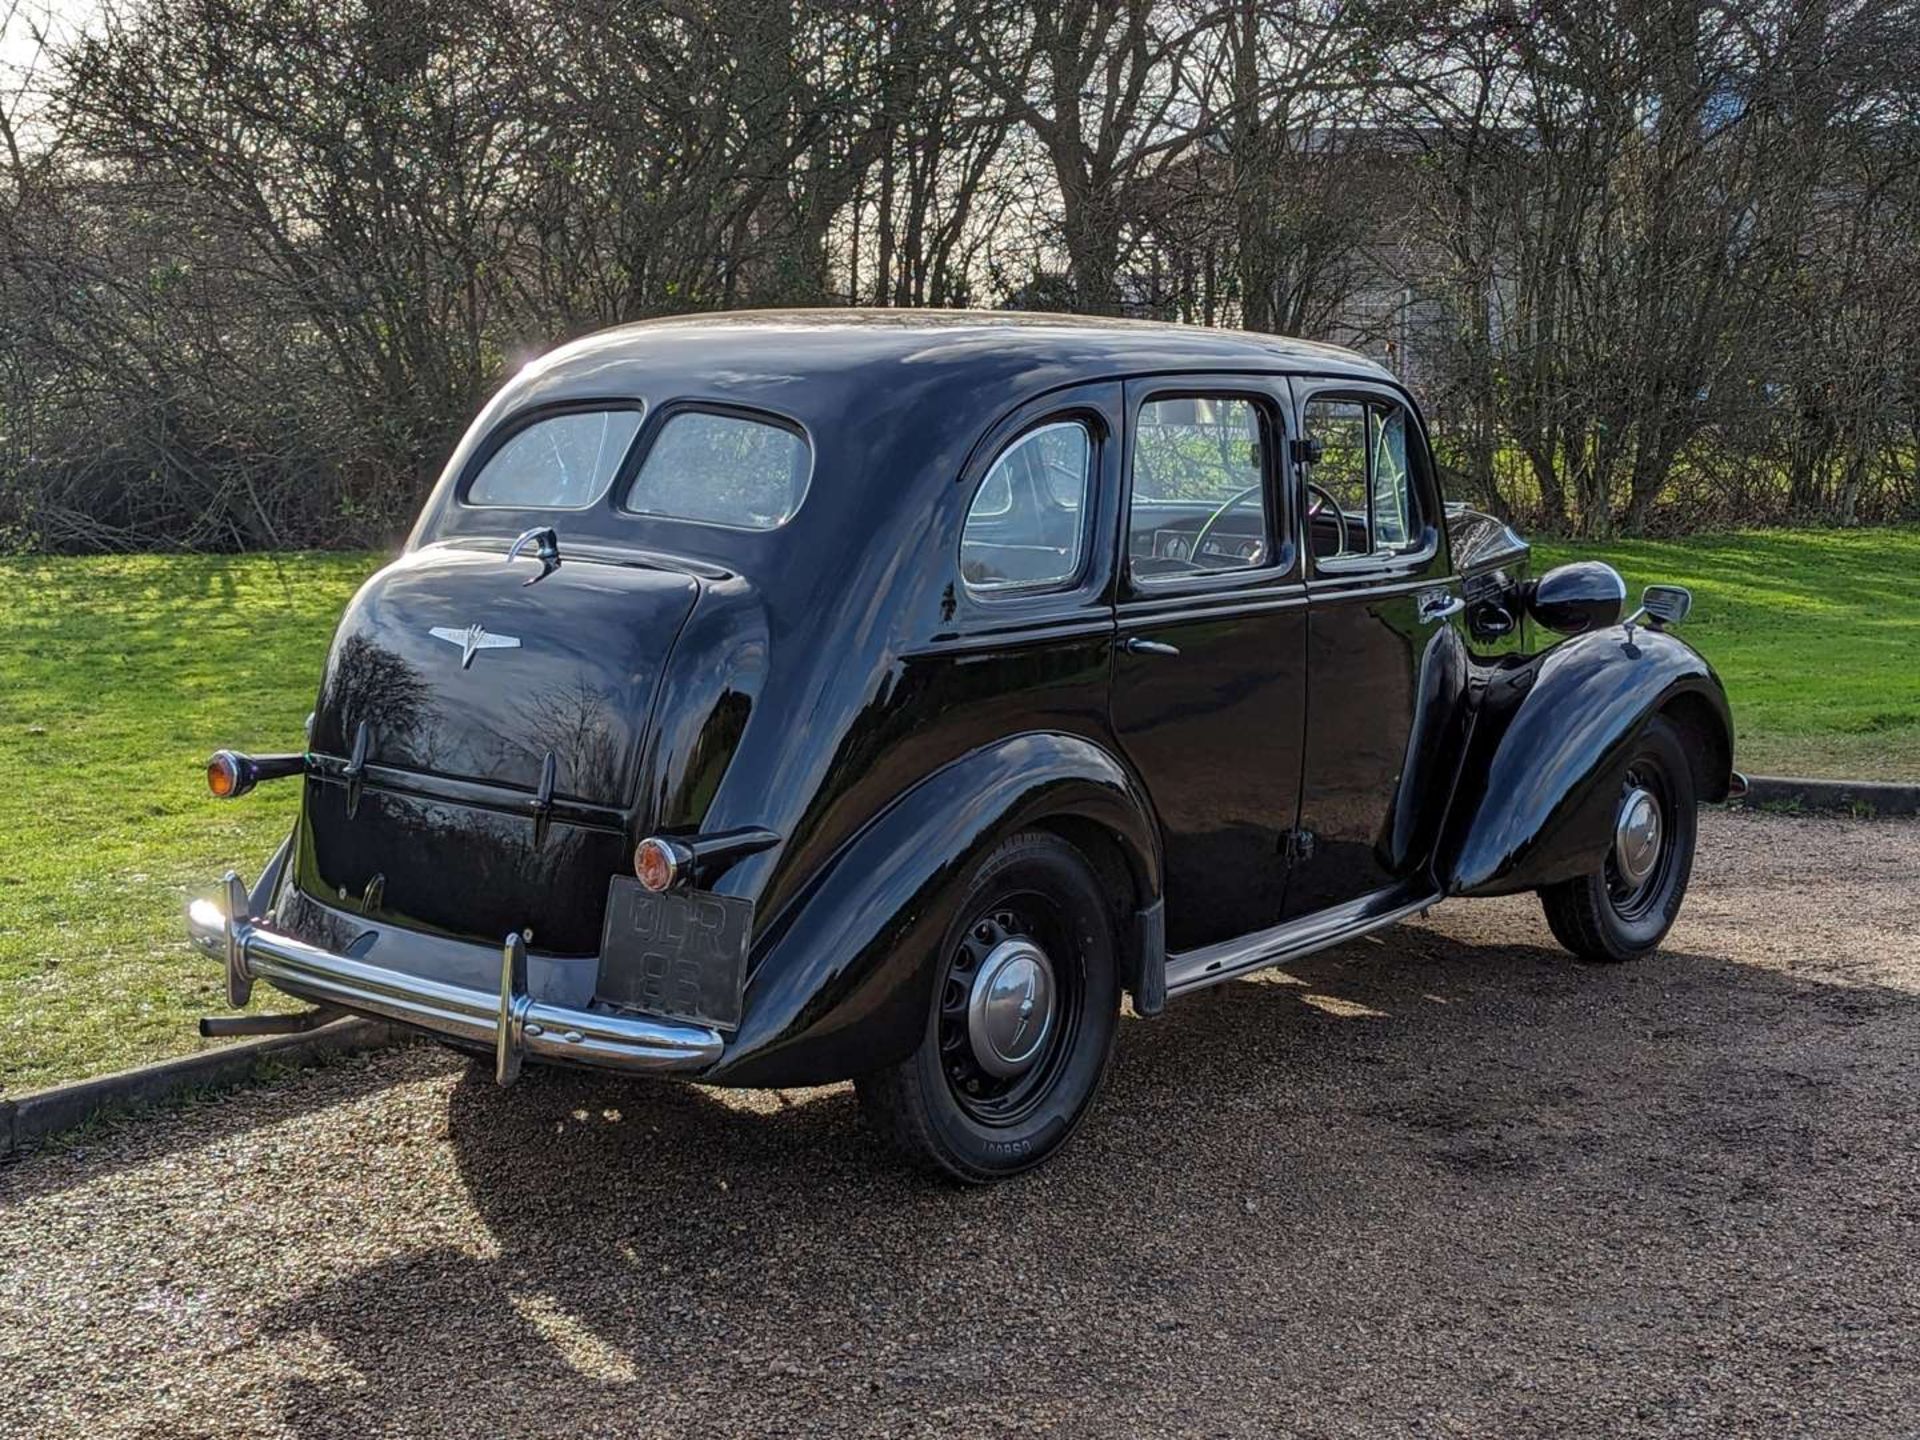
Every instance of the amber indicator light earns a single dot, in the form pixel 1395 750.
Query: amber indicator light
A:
pixel 223 776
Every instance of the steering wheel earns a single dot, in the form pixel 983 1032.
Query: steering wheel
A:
pixel 1323 501
pixel 1206 529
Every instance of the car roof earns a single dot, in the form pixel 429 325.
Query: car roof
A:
pixel 886 398
pixel 1062 349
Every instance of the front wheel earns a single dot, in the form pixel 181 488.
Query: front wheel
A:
pixel 1624 909
pixel 1021 1023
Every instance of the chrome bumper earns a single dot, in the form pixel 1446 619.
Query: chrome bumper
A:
pixel 512 1023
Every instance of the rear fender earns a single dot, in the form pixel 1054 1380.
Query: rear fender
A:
pixel 1549 745
pixel 839 983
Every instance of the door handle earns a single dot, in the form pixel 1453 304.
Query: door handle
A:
pixel 1435 608
pixel 1134 645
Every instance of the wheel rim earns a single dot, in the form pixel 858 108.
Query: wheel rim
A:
pixel 1640 860
pixel 1009 1009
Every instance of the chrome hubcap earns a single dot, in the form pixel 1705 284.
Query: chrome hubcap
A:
pixel 1010 1007
pixel 1636 835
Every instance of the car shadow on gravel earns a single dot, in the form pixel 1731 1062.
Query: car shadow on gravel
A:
pixel 1409 1146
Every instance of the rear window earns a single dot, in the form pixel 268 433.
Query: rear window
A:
pixel 722 470
pixel 559 462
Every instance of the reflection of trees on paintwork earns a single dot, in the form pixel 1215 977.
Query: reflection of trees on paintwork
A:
pixel 583 727
pixel 719 737
pixel 369 682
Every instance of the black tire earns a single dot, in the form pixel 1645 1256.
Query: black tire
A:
pixel 938 1108
pixel 1606 917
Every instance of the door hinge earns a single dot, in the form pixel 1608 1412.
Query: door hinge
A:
pixel 1297 846
pixel 1307 450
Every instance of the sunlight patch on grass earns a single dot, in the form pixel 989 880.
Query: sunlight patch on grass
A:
pixel 1816 634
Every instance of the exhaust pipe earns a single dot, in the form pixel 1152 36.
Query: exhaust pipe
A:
pixel 226 1027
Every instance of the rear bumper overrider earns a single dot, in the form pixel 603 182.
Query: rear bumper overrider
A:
pixel 511 1023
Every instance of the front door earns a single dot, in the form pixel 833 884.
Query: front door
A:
pixel 1386 666
pixel 1208 680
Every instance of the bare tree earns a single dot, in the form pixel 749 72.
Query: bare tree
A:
pixel 1114 91
pixel 1653 263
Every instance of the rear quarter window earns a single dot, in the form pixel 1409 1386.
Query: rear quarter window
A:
pixel 1024 530
pixel 722 469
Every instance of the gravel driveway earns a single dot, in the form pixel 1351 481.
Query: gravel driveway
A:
pixel 1441 1181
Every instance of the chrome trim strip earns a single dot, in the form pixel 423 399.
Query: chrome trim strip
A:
pixel 1228 607
pixel 1229 959
pixel 605 1038
pixel 1070 623
pixel 1326 588
pixel 454 790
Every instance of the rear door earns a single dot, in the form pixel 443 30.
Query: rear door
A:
pixel 1208 679
pixel 1386 666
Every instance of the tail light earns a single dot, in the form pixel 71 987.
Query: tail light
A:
pixel 661 864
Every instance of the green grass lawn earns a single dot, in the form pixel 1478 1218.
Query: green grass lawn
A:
pixel 119 674
pixel 1816 634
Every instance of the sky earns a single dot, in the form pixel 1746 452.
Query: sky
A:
pixel 20 17
pixel 19 20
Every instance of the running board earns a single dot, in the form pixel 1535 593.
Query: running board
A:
pixel 1197 969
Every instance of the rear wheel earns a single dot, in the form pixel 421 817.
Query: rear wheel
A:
pixel 1021 1023
pixel 1624 909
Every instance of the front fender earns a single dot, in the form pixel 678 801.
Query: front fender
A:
pixel 1547 749
pixel 839 983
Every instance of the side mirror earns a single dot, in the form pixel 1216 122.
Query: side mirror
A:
pixel 1574 599
pixel 1666 604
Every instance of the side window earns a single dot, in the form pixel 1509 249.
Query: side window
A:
pixel 1361 499
pixel 1392 486
pixel 1024 528
pixel 1199 494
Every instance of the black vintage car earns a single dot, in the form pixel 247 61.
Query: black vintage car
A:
pixel 771 699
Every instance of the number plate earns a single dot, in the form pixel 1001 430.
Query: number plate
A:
pixel 680 953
